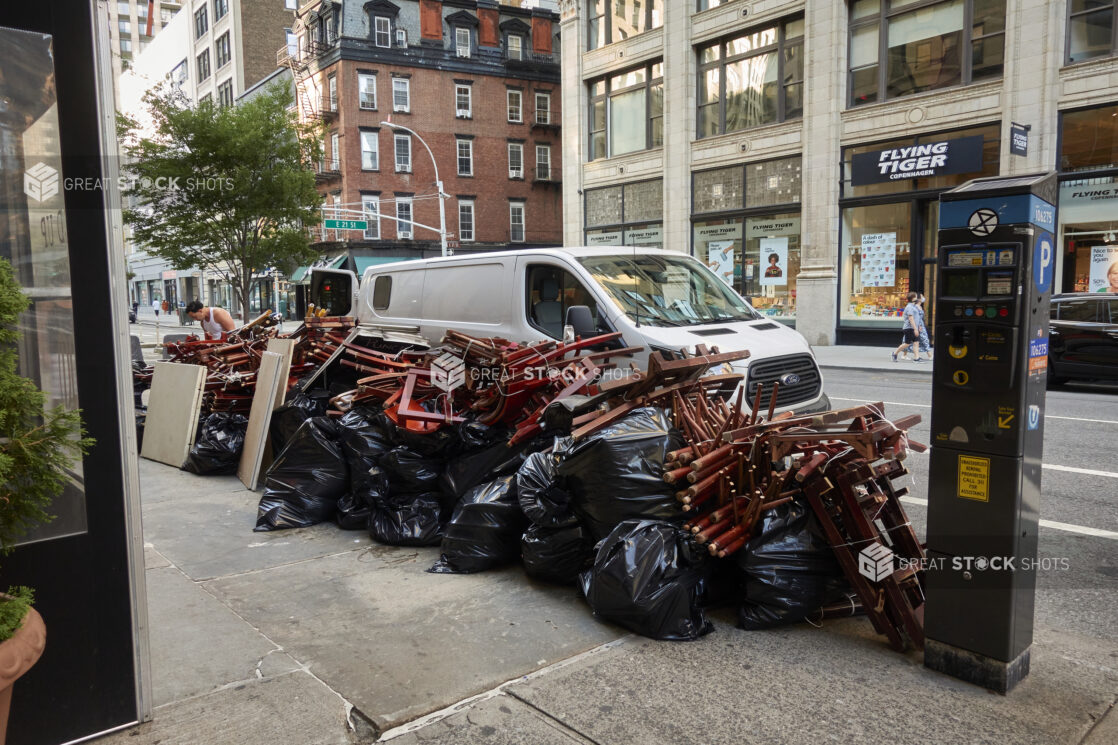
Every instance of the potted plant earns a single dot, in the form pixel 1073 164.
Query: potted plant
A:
pixel 37 447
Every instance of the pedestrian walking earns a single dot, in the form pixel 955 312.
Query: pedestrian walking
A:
pixel 925 340
pixel 910 328
pixel 155 305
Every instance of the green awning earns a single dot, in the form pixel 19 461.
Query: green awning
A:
pixel 299 274
pixel 364 262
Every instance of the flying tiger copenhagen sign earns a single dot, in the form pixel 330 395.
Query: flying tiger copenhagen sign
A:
pixel 926 160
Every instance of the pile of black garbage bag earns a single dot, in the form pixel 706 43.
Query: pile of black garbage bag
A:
pixel 595 514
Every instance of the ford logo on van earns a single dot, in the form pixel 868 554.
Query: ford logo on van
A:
pixel 789 379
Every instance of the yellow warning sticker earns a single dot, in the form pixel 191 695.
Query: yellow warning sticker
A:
pixel 974 478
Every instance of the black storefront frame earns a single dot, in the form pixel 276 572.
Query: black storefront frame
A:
pixel 918 266
pixel 743 213
pixel 1065 176
pixel 93 674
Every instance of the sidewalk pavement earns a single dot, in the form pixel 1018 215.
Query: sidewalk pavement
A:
pixel 319 636
pixel 867 358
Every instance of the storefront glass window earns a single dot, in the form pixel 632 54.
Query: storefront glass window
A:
pixel 875 263
pixel 1089 139
pixel 1088 216
pixel 771 263
pixel 627 215
pixel 714 191
pixel 603 206
pixel 644 201
pixel 773 182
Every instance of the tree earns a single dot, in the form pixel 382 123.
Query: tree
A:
pixel 38 446
pixel 222 188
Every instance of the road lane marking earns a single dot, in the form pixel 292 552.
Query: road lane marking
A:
pixel 1067 527
pixel 1054 467
pixel 928 406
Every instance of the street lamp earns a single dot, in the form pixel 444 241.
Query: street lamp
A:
pixel 438 182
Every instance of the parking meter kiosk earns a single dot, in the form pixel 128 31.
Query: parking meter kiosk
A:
pixel 994 274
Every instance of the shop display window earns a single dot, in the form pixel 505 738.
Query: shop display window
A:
pixel 876 263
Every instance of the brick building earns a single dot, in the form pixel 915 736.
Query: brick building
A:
pixel 478 81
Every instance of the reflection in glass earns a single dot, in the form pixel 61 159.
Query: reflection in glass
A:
pixel 35 239
pixel 925 49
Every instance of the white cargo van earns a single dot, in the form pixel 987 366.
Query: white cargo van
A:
pixel 657 299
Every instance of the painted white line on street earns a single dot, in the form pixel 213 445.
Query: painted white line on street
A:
pixel 1084 471
pixel 1067 527
pixel 928 406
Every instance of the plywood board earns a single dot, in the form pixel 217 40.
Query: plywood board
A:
pixel 173 406
pixel 285 347
pixel 271 376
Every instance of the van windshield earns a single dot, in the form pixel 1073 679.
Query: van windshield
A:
pixel 667 291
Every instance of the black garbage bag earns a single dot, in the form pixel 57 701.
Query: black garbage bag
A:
pixel 409 472
pixel 364 441
pixel 441 444
pixel 541 497
pixel 617 473
pixel 306 480
pixel 647 578
pixel 218 448
pixel 788 570
pixel 556 554
pixel 484 530
pixel 407 520
pixel 286 419
pixel 353 513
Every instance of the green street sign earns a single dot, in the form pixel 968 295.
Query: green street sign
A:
pixel 346 224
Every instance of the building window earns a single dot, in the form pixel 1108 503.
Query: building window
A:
pixel 543 162
pixel 401 94
pixel 614 20
pixel 179 74
pixel 225 93
pixel 1090 29
pixel 403 153
pixel 466 220
pixel 708 4
pixel 752 79
pixel 367 91
pixel 514 47
pixel 204 66
pixel 516 160
pixel 627 112
pixel 462 41
pixel 382 31
pixel 335 152
pixel 403 212
pixel 628 215
pixel 222 55
pixel 543 108
pixel 370 205
pixel 291 4
pixel 126 45
pixel 515 105
pixel 465 158
pixel 206 99
pixel 370 150
pixel 897 50
pixel 124 26
pixel 332 92
pixel 292 42
pixel 201 23
pixel 463 102
pixel 516 222
pixel 1088 161
pixel 221 7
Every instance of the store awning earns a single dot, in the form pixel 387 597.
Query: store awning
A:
pixel 299 274
pixel 364 262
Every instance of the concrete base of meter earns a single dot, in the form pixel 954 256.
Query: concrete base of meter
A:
pixel 994 675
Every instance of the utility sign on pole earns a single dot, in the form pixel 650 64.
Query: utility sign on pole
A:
pixel 346 224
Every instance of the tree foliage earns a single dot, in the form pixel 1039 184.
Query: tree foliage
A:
pixel 37 447
pixel 222 188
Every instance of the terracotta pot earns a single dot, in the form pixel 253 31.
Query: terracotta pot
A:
pixel 17 655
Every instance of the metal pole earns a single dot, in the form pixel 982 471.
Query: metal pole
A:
pixel 438 183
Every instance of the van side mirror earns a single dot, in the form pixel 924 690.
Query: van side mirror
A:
pixel 580 321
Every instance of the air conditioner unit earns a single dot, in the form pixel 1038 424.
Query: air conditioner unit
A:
pixel 516 173
pixel 397 107
pixel 404 234
pixel 463 112
pixel 401 37
pixel 463 51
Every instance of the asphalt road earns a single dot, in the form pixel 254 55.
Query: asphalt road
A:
pixel 1079 487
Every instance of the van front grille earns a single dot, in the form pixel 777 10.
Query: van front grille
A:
pixel 767 371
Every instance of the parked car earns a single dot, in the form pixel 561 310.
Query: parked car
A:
pixel 1083 337
pixel 660 300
